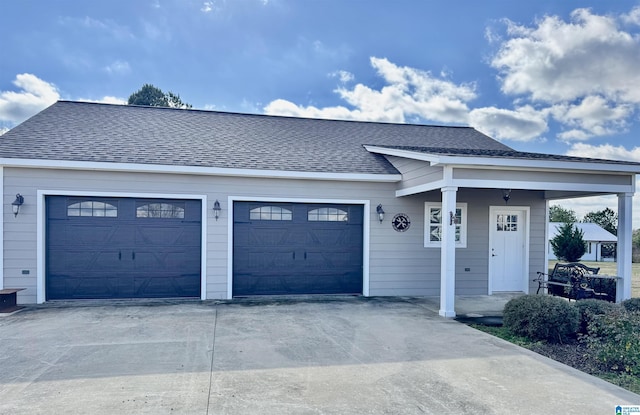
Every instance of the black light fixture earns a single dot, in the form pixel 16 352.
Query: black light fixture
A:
pixel 16 204
pixel 380 212
pixel 506 195
pixel 216 209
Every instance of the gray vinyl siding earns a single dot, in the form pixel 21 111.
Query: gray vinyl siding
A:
pixel 398 261
pixel 415 172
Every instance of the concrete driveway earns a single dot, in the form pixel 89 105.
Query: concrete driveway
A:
pixel 331 356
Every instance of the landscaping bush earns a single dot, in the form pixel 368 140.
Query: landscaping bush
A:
pixel 614 339
pixel 541 317
pixel 632 304
pixel 589 308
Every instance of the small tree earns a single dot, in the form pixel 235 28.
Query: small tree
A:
pixel 607 219
pixel 568 244
pixel 151 96
pixel 559 214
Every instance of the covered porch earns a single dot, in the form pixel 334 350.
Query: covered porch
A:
pixel 508 243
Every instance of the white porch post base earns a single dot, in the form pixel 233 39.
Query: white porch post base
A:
pixel 448 253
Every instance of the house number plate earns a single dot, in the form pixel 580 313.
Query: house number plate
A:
pixel 400 222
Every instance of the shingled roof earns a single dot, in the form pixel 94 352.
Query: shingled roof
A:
pixel 80 131
pixel 92 132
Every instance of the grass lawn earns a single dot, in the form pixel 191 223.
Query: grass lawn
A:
pixel 610 268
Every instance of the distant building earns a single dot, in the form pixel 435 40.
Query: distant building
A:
pixel 601 244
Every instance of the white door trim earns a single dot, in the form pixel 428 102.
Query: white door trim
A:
pixel 525 266
pixel 365 232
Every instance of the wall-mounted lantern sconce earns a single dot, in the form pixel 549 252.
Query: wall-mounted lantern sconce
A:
pixel 506 195
pixel 380 212
pixel 216 209
pixel 16 204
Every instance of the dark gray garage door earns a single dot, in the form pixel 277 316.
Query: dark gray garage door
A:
pixel 288 248
pixel 122 248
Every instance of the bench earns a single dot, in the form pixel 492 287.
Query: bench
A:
pixel 577 281
pixel 8 300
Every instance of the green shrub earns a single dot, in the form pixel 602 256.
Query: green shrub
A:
pixel 568 244
pixel 632 304
pixel 589 308
pixel 614 339
pixel 541 317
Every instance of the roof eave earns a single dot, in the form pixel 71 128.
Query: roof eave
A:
pixel 198 170
pixel 506 163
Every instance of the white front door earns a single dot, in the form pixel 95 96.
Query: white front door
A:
pixel 508 249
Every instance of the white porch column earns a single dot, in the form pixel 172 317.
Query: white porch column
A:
pixel 625 226
pixel 448 253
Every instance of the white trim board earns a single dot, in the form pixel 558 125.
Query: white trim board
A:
pixel 41 222
pixel 197 170
pixel 506 162
pixel 366 221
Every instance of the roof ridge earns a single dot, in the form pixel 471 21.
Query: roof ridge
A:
pixel 248 114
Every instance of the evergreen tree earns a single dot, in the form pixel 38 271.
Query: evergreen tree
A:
pixel 151 96
pixel 568 244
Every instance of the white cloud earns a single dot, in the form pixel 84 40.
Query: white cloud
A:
pixel 523 124
pixel 118 68
pixel 560 61
pixel 633 17
pixel 343 76
pixel 3 130
pixel 207 7
pixel 591 204
pixel 605 151
pixel 106 100
pixel 578 73
pixel 33 96
pixel 408 92
pixel 288 108
pixel 593 116
pixel 580 69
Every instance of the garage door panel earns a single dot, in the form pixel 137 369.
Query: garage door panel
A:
pixel 174 235
pixel 123 256
pixel 167 286
pixel 264 260
pixel 257 235
pixel 317 250
pixel 87 286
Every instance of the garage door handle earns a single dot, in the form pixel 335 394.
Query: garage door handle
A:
pixel 294 255
pixel 305 255
pixel 133 255
pixel 120 256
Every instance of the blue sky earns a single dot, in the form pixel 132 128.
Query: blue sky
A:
pixel 557 77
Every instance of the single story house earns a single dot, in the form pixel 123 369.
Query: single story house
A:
pixel 115 201
pixel 594 236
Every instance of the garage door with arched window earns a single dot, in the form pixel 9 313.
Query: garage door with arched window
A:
pixel 296 248
pixel 122 248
